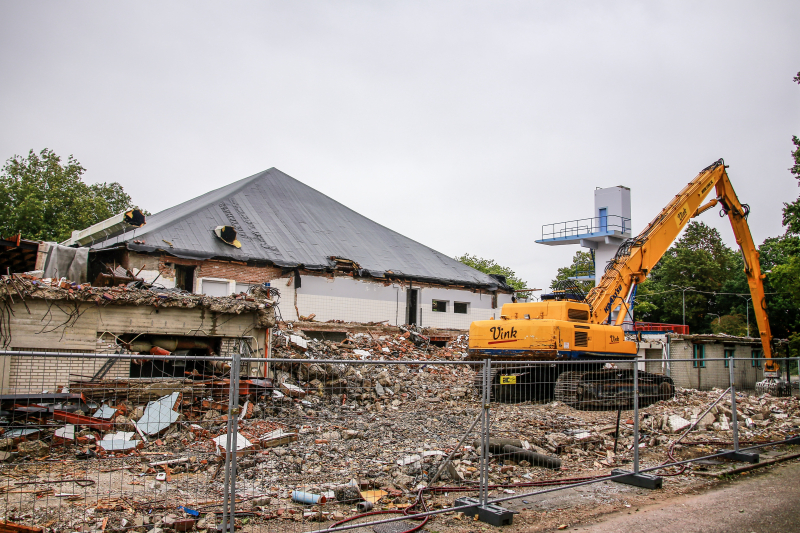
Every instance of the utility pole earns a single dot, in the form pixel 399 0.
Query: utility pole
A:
pixel 684 289
pixel 747 305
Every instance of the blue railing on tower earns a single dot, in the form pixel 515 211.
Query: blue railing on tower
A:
pixel 584 226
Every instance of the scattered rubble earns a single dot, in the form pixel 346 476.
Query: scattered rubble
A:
pixel 324 441
pixel 25 286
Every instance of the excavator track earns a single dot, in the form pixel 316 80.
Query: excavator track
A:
pixel 478 383
pixel 610 389
pixel 528 382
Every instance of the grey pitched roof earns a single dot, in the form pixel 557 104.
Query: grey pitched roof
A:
pixel 283 221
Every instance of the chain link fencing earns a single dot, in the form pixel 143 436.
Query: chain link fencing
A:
pixel 374 441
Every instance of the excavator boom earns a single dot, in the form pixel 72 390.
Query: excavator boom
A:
pixel 636 257
pixel 565 326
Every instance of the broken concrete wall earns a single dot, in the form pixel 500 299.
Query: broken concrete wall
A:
pixel 163 267
pixel 62 326
pixel 328 296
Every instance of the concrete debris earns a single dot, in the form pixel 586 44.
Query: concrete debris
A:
pixel 27 286
pixel 121 440
pixel 677 424
pixel 240 444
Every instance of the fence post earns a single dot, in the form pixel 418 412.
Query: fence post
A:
pixel 735 454
pixel 487 397
pixel 636 478
pixel 229 483
pixel 636 435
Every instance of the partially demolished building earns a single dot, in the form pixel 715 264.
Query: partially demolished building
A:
pixel 60 316
pixel 327 262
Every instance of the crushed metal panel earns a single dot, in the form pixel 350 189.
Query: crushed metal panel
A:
pixel 105 412
pixel 240 444
pixel 122 440
pixel 158 415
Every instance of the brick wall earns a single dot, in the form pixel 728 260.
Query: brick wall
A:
pixel 164 268
pixel 28 374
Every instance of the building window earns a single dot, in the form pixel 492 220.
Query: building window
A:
pixel 243 287
pixel 698 361
pixel 213 287
pixel 729 357
pixel 184 277
pixel 461 308
pixel 755 361
pixel 439 306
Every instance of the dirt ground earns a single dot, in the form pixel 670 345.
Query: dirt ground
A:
pixel 762 501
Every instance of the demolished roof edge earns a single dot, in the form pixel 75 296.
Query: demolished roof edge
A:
pixel 376 274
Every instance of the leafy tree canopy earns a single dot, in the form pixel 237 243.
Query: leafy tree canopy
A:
pixel 488 266
pixel 582 264
pixel 730 325
pixel 700 260
pixel 46 199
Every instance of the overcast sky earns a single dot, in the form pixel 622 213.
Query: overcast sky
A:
pixel 463 125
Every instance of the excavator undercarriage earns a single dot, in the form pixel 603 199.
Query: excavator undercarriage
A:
pixel 593 388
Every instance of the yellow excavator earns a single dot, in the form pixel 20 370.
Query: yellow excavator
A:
pixel 565 326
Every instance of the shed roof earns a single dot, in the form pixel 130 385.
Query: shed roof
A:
pixel 280 220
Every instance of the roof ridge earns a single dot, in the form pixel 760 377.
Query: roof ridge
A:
pixel 281 220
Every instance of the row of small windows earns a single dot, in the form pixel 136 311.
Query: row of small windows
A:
pixel 699 356
pixel 440 306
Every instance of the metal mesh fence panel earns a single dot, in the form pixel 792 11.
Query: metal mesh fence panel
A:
pixel 83 453
pixel 345 434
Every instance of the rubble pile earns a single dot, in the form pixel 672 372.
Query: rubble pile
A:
pixel 24 286
pixel 373 386
pixel 392 344
pixel 325 441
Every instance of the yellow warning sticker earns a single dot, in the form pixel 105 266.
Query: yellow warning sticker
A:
pixel 508 380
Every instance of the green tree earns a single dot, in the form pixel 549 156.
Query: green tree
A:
pixel 730 325
pixel 488 266
pixel 700 260
pixel 582 264
pixel 45 199
pixel 782 266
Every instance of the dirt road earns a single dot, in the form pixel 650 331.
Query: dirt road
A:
pixel 764 502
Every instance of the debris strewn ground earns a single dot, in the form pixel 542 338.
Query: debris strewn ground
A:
pixel 120 454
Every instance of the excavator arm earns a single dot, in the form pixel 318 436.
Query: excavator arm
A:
pixel 636 257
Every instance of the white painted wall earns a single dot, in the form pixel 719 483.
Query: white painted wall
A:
pixel 344 298
pixel 617 200
pixel 150 275
pixel 355 300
